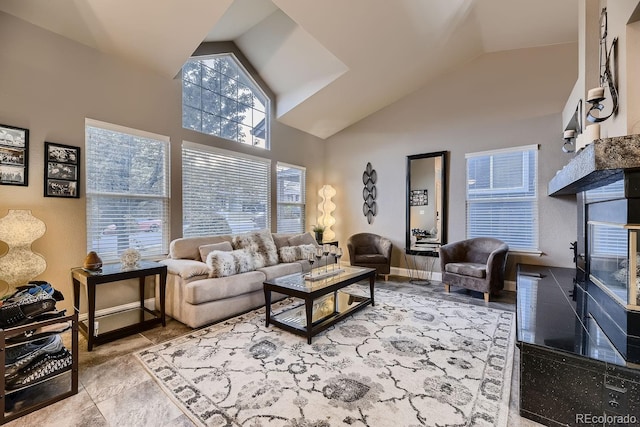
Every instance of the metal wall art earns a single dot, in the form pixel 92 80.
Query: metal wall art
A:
pixel 369 208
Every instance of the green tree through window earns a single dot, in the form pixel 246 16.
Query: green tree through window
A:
pixel 220 98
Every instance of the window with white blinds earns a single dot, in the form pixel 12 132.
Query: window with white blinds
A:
pixel 127 182
pixel 291 198
pixel 223 192
pixel 502 196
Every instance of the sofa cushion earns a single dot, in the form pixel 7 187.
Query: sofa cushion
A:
pixel 302 239
pixel 467 269
pixel 287 254
pixel 229 263
pixel 221 288
pixel 367 249
pixel 371 259
pixel 261 243
pixel 296 253
pixel 189 247
pixel 281 239
pixel 279 270
pixel 222 246
pixel 304 251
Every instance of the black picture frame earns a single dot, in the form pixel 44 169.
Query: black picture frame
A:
pixel 14 155
pixel 61 170
pixel 419 198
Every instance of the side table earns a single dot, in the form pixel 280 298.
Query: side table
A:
pixel 420 264
pixel 99 330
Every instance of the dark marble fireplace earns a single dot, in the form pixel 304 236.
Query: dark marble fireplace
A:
pixel 579 328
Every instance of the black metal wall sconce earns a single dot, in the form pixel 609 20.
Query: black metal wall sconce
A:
pixel 596 95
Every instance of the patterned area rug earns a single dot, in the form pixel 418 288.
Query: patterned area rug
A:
pixel 408 361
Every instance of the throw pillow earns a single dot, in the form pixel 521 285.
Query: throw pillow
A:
pixel 302 239
pixel 261 243
pixel 304 251
pixel 288 253
pixel 205 249
pixel 228 263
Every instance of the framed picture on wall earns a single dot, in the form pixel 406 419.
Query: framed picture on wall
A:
pixel 14 155
pixel 61 170
pixel 419 198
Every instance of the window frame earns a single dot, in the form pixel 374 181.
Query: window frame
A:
pixel 243 78
pixel 303 196
pixel 508 194
pixel 92 195
pixel 204 150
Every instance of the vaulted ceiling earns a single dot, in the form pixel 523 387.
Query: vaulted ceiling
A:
pixel 330 62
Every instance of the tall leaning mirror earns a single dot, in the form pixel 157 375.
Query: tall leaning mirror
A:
pixel 426 203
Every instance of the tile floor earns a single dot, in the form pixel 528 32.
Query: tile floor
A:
pixel 115 390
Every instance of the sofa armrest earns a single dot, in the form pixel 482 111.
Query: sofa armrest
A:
pixel 186 268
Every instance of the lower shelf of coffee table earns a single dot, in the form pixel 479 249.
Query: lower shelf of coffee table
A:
pixel 327 310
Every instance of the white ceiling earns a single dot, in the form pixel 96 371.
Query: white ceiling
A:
pixel 331 62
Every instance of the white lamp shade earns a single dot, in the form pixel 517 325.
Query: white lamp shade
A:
pixel 326 207
pixel 18 230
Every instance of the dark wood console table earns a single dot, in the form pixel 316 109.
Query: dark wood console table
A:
pixel 122 323
pixel 570 372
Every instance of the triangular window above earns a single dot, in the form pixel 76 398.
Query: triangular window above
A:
pixel 220 98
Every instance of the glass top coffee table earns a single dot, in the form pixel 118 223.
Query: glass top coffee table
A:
pixel 325 302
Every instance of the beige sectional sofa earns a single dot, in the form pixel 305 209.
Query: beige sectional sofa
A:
pixel 212 278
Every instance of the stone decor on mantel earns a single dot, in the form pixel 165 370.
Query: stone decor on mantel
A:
pixel 601 162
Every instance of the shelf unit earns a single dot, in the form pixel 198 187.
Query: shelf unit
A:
pixel 45 392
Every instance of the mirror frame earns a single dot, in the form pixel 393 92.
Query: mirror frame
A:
pixel 444 213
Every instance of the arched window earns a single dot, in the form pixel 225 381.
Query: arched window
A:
pixel 220 98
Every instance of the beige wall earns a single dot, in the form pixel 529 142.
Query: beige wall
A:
pixel 499 100
pixel 49 85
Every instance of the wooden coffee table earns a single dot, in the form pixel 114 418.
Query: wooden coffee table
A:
pixel 325 303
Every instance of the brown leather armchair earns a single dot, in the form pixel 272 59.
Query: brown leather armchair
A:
pixel 370 250
pixel 477 264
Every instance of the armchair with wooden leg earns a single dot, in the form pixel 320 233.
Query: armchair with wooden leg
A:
pixel 371 250
pixel 477 264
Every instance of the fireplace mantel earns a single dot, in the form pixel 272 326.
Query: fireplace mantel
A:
pixel 601 162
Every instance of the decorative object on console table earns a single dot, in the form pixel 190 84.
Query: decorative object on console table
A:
pixel 130 258
pixel 369 193
pixel 14 155
pixel 61 170
pixel 19 229
pixel 92 262
pixel 326 207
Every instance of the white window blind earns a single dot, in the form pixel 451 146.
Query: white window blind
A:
pixel 127 182
pixel 291 198
pixel 502 196
pixel 223 192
